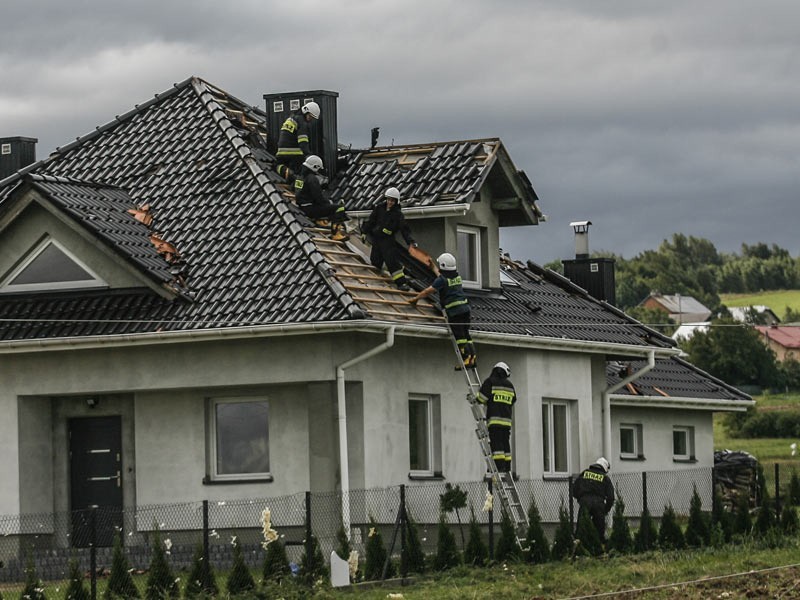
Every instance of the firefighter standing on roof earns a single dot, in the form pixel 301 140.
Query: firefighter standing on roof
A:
pixel 383 223
pixel 595 493
pixel 313 202
pixel 455 304
pixel 293 147
pixel 498 394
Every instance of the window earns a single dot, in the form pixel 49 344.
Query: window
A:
pixel 630 441
pixel 555 440
pixel 683 443
pixel 424 442
pixel 239 438
pixel 469 255
pixel 49 266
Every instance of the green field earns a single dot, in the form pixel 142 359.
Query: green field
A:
pixel 777 300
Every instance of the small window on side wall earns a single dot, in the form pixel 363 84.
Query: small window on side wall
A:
pixel 239 438
pixel 469 255
pixel 683 443
pixel 556 438
pixel 424 440
pixel 630 441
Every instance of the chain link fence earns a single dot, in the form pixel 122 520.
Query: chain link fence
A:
pixel 48 542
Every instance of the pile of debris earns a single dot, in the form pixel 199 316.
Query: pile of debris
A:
pixel 736 473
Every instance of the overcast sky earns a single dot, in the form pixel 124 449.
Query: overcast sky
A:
pixel 645 117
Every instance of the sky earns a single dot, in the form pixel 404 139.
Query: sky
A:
pixel 647 118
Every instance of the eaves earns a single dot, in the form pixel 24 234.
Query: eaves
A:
pixel 721 405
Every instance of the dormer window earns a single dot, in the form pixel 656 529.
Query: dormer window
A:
pixel 50 266
pixel 469 255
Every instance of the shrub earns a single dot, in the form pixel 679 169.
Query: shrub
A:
pixel 742 522
pixel 538 547
pixel 562 541
pixel 201 580
pixel 794 489
pixel 276 562
pixel 446 551
pixel 789 521
pixel 620 538
pixel 507 547
pixel 343 547
pixel 587 535
pixel 765 518
pixel 454 499
pixel 34 589
pixel 413 556
pixel 312 564
pixel 120 582
pixel 376 554
pixel 76 588
pixel 161 582
pixel 240 579
pixel 646 537
pixel 720 520
pixel 670 536
pixel 698 532
pixel 476 553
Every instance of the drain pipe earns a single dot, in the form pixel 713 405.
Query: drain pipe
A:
pixel 340 400
pixel 651 362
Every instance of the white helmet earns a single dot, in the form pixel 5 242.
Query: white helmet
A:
pixel 393 193
pixel 506 369
pixel 603 463
pixel 447 262
pixel 313 162
pixel 311 108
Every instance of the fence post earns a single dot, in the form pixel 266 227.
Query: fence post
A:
pixel 777 490
pixel 403 525
pixel 309 546
pixel 569 499
pixel 491 523
pixel 205 534
pixel 644 491
pixel 93 551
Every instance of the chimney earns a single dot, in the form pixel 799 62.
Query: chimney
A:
pixel 595 275
pixel 323 136
pixel 15 154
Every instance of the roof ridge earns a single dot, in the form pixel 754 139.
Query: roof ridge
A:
pixel 274 197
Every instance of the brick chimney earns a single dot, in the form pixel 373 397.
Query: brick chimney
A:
pixel 595 275
pixel 15 154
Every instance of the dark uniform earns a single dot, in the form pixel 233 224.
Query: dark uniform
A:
pixel 456 307
pixel 595 493
pixel 313 201
pixel 293 143
pixel 381 227
pixel 498 394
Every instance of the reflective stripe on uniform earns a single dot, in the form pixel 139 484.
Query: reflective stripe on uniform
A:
pixel 503 397
pixel 302 139
pixel 289 152
pixel 482 399
pixel 456 303
pixel 454 281
pixel 289 125
pixel 386 231
pixel 298 184
pixel 503 422
pixel 398 274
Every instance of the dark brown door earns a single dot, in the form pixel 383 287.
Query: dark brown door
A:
pixel 95 458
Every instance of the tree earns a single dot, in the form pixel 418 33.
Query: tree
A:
pixel 240 580
pixel 312 563
pixel 742 523
pixel 507 547
pixel 446 550
pixel 476 554
pixel 376 554
pixel 654 318
pixel 276 563
pixel 120 582
pixel 538 548
pixel 76 588
pixel 454 499
pixel 670 536
pixel 698 532
pixel 647 535
pixel 620 538
pixel 720 519
pixel 562 541
pixel 343 547
pixel 413 555
pixel 586 533
pixel 34 588
pixel 161 582
pixel 201 580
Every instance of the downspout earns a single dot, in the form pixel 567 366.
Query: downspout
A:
pixel 651 362
pixel 340 400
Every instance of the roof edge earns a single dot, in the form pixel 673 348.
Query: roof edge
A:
pixel 691 403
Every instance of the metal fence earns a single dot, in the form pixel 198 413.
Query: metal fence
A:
pixel 47 542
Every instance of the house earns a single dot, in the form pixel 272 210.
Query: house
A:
pixel 681 309
pixel 687 330
pixel 174 329
pixel 783 340
pixel 757 313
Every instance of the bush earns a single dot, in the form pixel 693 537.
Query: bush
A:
pixel 646 537
pixel 765 518
pixel 742 522
pixel 76 588
pixel 789 521
pixel 794 489
pixel 376 555
pixel 240 579
pixel 161 582
pixel 538 547
pixel 276 563
pixel 413 556
pixel 120 582
pixel 201 580
pixel 343 547
pixel 698 532
pixel 720 520
pixel 312 564
pixel 34 588
pixel 446 551
pixel 587 535
pixel 620 539
pixel 507 547
pixel 670 536
pixel 476 554
pixel 562 541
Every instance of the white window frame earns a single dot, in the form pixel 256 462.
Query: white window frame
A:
pixel 474 234
pixel 549 437
pixel 433 406
pixel 212 440
pixel 689 433
pixel 636 429
pixel 47 241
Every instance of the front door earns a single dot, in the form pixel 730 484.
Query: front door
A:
pixel 95 458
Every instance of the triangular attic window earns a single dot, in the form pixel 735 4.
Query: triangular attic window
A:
pixel 50 266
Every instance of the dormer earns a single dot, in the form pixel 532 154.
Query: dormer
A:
pixel 455 195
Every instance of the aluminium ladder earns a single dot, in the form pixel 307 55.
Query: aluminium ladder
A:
pixel 504 485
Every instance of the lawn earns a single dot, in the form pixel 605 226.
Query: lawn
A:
pixel 777 300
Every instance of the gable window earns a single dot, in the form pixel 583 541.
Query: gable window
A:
pixel 683 443
pixel 239 438
pixel 469 255
pixel 50 266
pixel 424 441
pixel 555 438
pixel 630 441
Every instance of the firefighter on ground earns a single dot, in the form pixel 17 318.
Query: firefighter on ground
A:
pixel 455 305
pixel 595 493
pixel 498 394
pixel 383 223
pixel 313 201
pixel 293 146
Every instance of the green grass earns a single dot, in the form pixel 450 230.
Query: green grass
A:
pixel 777 300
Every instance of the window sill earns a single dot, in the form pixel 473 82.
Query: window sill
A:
pixel 684 460
pixel 423 477
pixel 558 477
pixel 209 481
pixel 632 458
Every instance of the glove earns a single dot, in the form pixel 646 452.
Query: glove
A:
pixel 413 245
pixel 363 238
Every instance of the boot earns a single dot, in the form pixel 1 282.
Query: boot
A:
pixel 338 233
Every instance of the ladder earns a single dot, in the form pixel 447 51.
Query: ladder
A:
pixel 504 485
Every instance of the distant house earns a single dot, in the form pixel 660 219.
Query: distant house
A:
pixel 764 314
pixel 687 330
pixel 681 309
pixel 784 341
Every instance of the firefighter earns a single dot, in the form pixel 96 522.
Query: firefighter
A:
pixel 313 201
pixel 595 493
pixel 293 146
pixel 455 305
pixel 383 223
pixel 498 394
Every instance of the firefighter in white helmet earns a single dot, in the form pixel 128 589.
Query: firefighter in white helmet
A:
pixel 383 223
pixel 455 304
pixel 293 141
pixel 498 394
pixel 313 200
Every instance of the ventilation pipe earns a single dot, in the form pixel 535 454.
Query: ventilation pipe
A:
pixel 581 229
pixel 342 405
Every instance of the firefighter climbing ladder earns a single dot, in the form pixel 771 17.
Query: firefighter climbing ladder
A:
pixel 504 485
